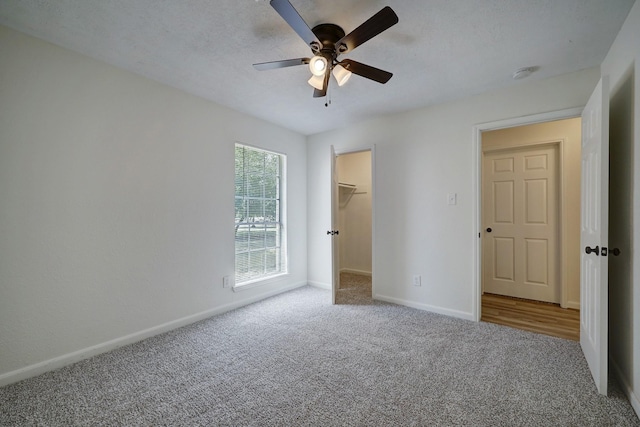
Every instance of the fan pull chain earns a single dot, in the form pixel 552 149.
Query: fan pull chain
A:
pixel 328 102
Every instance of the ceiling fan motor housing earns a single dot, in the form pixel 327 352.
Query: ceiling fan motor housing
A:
pixel 329 34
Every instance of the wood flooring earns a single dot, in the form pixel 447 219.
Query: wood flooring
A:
pixel 541 317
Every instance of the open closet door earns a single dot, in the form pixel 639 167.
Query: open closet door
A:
pixel 335 255
pixel 594 233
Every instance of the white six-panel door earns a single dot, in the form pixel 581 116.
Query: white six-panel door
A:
pixel 594 233
pixel 520 210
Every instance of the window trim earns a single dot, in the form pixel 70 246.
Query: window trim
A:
pixel 266 280
pixel 284 251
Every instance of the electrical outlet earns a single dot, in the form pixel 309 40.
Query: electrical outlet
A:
pixel 226 282
pixel 417 280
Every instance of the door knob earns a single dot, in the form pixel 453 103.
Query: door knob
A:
pixel 615 251
pixel 489 230
pixel 595 250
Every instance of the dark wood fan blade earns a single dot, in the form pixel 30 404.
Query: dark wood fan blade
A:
pixel 280 64
pixel 295 21
pixel 320 93
pixel 367 71
pixel 378 23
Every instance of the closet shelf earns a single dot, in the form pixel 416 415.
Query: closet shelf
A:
pixel 347 191
pixel 345 185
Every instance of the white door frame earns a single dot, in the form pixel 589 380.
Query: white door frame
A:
pixel 477 185
pixel 335 244
pixel 338 151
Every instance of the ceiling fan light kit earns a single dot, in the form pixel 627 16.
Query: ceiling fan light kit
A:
pixel 341 74
pixel 316 81
pixel 318 65
pixel 327 42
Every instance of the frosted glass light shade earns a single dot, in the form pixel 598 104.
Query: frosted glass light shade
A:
pixel 318 65
pixel 341 74
pixel 317 81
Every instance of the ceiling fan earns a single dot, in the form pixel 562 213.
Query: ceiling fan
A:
pixel 327 42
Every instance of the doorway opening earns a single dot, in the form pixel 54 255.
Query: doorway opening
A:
pixel 530 226
pixel 355 225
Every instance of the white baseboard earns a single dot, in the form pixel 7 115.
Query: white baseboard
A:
pixel 628 391
pixel 573 305
pixel 85 353
pixel 321 285
pixel 353 271
pixel 426 307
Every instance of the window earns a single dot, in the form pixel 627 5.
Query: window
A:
pixel 259 227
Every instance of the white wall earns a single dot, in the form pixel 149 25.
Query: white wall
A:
pixel 569 131
pixel 421 156
pixel 355 212
pixel 116 206
pixel 622 65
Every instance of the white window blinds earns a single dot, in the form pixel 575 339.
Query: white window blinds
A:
pixel 259 229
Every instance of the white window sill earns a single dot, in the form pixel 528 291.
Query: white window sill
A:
pixel 258 282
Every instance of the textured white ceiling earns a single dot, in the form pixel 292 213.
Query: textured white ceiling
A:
pixel 439 51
